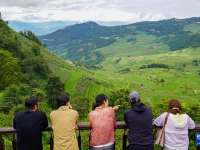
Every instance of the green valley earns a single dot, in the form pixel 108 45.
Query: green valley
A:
pixel 98 59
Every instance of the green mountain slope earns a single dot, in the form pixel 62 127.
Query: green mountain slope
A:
pixel 91 43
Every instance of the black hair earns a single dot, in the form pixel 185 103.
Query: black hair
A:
pixel 31 101
pixel 134 100
pixel 99 100
pixel 62 100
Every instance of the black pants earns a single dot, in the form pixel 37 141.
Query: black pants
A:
pixel 110 147
pixel 140 147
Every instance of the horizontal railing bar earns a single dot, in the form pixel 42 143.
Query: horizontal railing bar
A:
pixel 81 126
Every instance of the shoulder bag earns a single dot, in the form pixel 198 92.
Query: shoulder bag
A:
pixel 160 133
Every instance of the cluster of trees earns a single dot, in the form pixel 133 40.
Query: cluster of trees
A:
pixel 182 41
pixel 154 66
pixel 31 36
pixel 124 70
pixel 10 72
pixel 196 62
pixel 118 60
pixel 132 40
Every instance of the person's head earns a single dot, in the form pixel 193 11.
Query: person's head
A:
pixel 63 100
pixel 175 107
pixel 100 100
pixel 134 97
pixel 32 103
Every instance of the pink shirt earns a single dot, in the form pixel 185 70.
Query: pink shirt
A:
pixel 103 123
pixel 175 138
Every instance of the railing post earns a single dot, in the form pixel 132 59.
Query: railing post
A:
pixel 79 140
pixel 51 141
pixel 89 141
pixel 14 142
pixel 124 140
pixel 1 143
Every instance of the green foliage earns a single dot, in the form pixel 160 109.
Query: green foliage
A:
pixel 31 36
pixel 11 98
pixel 9 70
pixel 36 65
pixel 118 60
pixel 38 93
pixel 53 87
pixel 119 97
pixel 154 66
pixel 35 48
pixel 182 41
pixel 81 104
pixel 124 70
pixel 132 40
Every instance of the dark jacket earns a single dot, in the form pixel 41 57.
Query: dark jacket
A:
pixel 139 119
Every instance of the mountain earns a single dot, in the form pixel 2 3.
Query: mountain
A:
pixel 92 43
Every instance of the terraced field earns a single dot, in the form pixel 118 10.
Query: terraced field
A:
pixel 154 84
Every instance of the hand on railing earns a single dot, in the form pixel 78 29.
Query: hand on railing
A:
pixel 116 108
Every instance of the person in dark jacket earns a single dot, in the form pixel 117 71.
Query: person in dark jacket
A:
pixel 29 125
pixel 139 119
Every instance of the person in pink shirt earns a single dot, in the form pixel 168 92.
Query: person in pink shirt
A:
pixel 103 123
pixel 176 128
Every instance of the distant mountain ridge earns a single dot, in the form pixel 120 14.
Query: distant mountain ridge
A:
pixel 39 28
pixel 42 28
pixel 90 42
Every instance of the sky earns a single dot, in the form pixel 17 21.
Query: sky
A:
pixel 129 11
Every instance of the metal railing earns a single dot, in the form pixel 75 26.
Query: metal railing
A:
pixel 81 126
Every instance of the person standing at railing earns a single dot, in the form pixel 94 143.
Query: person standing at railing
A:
pixel 139 119
pixel 176 128
pixel 29 125
pixel 103 123
pixel 64 122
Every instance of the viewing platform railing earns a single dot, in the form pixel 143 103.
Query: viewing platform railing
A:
pixel 81 126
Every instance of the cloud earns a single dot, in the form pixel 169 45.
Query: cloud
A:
pixel 101 10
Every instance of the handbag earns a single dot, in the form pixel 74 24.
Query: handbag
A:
pixel 159 133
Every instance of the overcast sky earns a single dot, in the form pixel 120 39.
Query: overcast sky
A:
pixel 129 11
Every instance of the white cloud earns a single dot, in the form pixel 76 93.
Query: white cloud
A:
pixel 101 10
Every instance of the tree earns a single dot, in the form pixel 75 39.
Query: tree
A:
pixel 54 87
pixel 81 104
pixel 11 98
pixel 35 48
pixel 10 72
pixel 119 97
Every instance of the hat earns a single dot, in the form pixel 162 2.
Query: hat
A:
pixel 135 95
